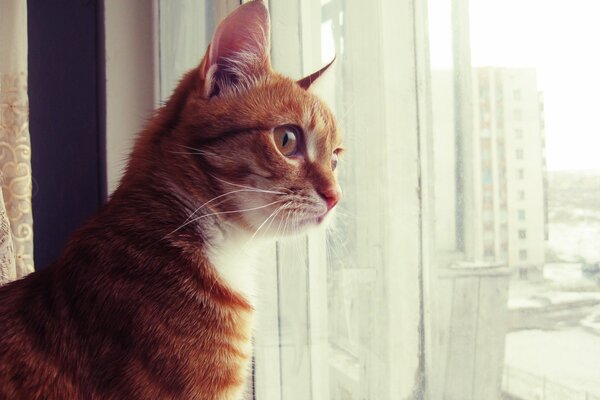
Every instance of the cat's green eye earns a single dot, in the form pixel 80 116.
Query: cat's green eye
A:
pixel 286 140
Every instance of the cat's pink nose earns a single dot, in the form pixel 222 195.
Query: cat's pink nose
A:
pixel 331 195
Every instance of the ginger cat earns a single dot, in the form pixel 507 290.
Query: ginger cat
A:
pixel 153 297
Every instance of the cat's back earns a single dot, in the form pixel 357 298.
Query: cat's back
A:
pixel 19 300
pixel 65 334
pixel 26 367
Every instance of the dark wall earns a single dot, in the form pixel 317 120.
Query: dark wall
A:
pixel 66 119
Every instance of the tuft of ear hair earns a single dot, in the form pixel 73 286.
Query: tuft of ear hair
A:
pixel 238 54
pixel 307 81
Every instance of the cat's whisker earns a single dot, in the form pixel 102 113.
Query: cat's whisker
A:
pixel 188 152
pixel 343 120
pixel 286 221
pixel 235 211
pixel 223 195
pixel 281 188
pixel 272 215
pixel 296 223
pixel 279 226
pixel 334 248
pixel 222 213
pixel 340 249
pixel 273 219
pixel 194 149
pixel 244 186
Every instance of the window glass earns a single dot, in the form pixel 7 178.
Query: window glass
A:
pixel 514 100
pixel 466 244
pixel 344 319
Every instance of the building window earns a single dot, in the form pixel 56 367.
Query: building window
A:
pixel 488 235
pixel 522 234
pixel 519 133
pixel 517 94
pixel 521 214
pixel 521 173
pixel 518 115
pixel 522 273
pixel 487 177
pixel 485 152
pixel 521 195
pixel 519 154
pixel 523 255
pixel 488 216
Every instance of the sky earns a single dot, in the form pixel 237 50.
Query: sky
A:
pixel 561 40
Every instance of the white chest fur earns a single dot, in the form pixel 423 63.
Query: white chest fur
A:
pixel 235 257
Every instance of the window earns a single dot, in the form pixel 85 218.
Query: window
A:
pixel 519 133
pixel 523 255
pixel 523 273
pixel 518 115
pixel 485 153
pixel 519 154
pixel 320 336
pixel 486 177
pixel 488 236
pixel 471 47
pixel 402 292
pixel 488 216
pixel 516 94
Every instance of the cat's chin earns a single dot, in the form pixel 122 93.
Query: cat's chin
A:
pixel 261 227
pixel 301 227
pixel 309 224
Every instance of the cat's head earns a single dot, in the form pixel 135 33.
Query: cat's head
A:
pixel 260 148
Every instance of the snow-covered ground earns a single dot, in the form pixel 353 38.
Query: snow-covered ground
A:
pixel 592 322
pixel 574 241
pixel 567 355
pixel 563 283
pixel 556 321
pixel 570 357
pixel 564 273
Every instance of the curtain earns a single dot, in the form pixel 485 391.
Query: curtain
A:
pixel 16 222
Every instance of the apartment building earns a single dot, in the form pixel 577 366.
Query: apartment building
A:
pixel 506 148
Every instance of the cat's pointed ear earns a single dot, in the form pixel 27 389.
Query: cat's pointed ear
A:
pixel 239 52
pixel 306 82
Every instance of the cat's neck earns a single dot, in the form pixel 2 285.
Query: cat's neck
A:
pixel 234 255
pixel 173 219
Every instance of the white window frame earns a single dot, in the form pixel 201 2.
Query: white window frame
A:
pixel 299 369
pixel 296 52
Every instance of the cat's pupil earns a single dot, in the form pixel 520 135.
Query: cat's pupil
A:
pixel 285 140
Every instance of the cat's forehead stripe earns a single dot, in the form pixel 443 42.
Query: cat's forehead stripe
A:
pixel 315 136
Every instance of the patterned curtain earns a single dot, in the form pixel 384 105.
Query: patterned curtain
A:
pixel 16 230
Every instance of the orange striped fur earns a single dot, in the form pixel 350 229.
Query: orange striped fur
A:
pixel 153 297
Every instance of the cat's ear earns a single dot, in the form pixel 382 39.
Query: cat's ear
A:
pixel 306 82
pixel 239 52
